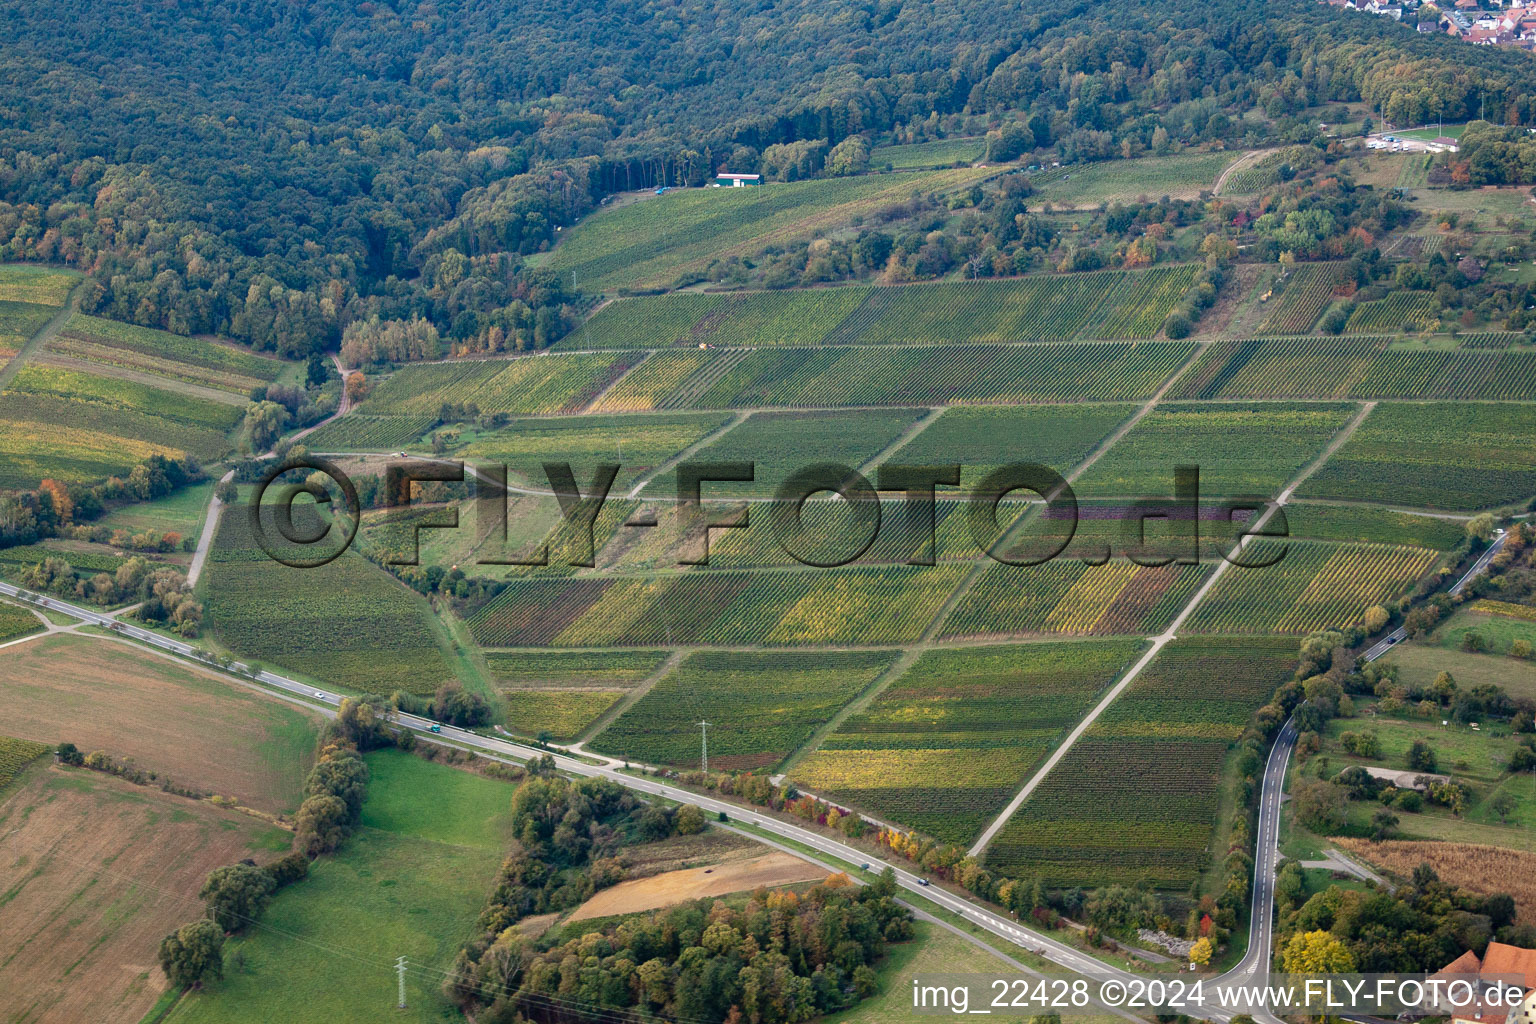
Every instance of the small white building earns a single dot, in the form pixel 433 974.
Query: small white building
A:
pixel 737 180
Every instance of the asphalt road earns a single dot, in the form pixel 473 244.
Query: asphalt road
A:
pixel 1397 636
pixel 1253 969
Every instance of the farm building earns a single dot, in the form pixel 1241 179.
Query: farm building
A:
pixel 737 180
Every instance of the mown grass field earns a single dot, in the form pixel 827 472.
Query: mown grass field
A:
pixel 947 744
pixel 1136 797
pixel 1460 456
pixel 760 707
pixel 166 717
pixel 410 883
pixel 97 871
pixel 652 242
pixel 349 622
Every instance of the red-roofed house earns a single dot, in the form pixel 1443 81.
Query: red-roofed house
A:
pixel 1499 963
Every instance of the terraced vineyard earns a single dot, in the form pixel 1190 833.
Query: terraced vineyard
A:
pixel 527 386
pixel 649 384
pixel 140 349
pixel 947 744
pixel 884 605
pixel 1312 587
pixel 967 375
pixel 1040 307
pixel 1239 449
pixel 1357 367
pixel 288 617
pixel 1302 299
pixel 1370 525
pixel 16 622
pixel 760 706
pixel 780 443
pixel 1136 798
pixel 1461 456
pixel 981 439
pixel 1065 597
pixel 1398 311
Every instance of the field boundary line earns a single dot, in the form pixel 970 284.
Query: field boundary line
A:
pixel 860 701
pixel 917 427
pixel 624 703
pixel 191 389
pixel 980 564
pixel 597 399
pixel 710 438
pixel 1161 640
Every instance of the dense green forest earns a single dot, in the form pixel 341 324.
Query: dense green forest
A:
pixel 276 172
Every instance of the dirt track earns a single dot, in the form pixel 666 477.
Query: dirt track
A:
pixel 696 883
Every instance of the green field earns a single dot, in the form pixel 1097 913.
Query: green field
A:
pixel 1357 367
pixel 1365 524
pixel 779 444
pixel 1313 586
pixel 1418 664
pixel 944 747
pixel 348 623
pixel 652 242
pixel 966 375
pixel 1240 450
pixel 141 349
pixel 760 707
pixel 410 883
pixel 45 286
pixel 638 443
pixel 75 426
pixel 183 512
pixel 540 385
pixel 921 155
pixel 1136 798
pixel 1039 307
pixel 1452 455
pixel 1181 176
pixel 19 321
pixel 983 439
pixel 562 692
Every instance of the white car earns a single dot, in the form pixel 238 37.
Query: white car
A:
pixel 321 696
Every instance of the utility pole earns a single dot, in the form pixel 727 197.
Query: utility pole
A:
pixel 704 739
pixel 400 968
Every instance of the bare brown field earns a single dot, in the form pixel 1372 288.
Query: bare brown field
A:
pixel 673 887
pixel 168 718
pixel 95 872
pixel 1484 869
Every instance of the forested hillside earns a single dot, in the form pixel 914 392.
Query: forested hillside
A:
pixel 276 172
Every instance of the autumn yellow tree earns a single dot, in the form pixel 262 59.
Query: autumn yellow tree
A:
pixel 1200 952
pixel 1317 952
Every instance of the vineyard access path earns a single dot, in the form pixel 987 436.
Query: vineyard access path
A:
pixel 1162 639
pixel 912 652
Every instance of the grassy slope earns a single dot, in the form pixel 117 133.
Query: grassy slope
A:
pixel 409 883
